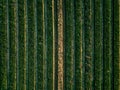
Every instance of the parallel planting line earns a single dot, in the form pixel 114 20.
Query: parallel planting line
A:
pixel 26 45
pixel 3 45
pixel 53 21
pixel 7 12
pixel 12 44
pixel 21 45
pixel 119 44
pixel 35 44
pixel 40 81
pixel 89 43
pixel 98 44
pixel 107 47
pixel 49 43
pixel 78 44
pixel 116 31
pixel 56 41
pixel 68 45
pixel 31 44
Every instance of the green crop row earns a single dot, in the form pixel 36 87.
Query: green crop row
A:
pixel 31 35
pixel 3 45
pixel 98 45
pixel 29 44
pixel 116 44
pixel 12 27
pixel 78 11
pixel 21 70
pixel 107 44
pixel 49 29
pixel 89 44
pixel 40 84
pixel 68 45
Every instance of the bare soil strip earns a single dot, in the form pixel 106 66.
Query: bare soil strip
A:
pixel 60 46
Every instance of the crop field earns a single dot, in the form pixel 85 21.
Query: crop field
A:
pixel 59 45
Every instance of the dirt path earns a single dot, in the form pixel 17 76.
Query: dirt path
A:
pixel 60 45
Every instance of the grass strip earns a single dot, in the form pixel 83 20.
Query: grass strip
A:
pixel 12 44
pixel 3 45
pixel 31 44
pixel 40 45
pixel 89 43
pixel 22 42
pixel 107 44
pixel 78 44
pixel 116 44
pixel 98 45
pixel 49 28
pixel 69 45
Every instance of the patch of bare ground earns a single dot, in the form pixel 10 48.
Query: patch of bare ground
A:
pixel 60 45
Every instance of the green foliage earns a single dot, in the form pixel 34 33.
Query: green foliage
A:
pixel 3 45
pixel 69 45
pixel 29 44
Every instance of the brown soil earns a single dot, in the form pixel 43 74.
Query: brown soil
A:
pixel 60 46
